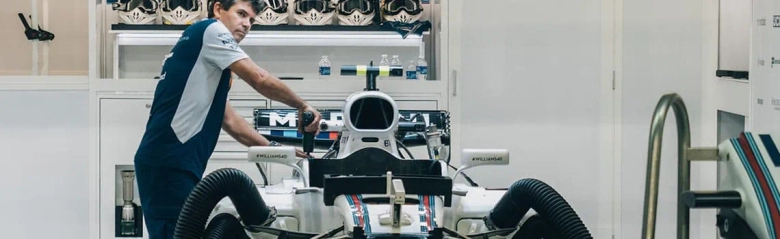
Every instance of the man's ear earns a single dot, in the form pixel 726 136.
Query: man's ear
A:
pixel 217 6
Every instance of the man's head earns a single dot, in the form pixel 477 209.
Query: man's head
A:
pixel 237 15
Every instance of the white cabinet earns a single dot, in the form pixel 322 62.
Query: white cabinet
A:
pixel 123 121
pixel 122 124
pixel 244 107
pixel 316 103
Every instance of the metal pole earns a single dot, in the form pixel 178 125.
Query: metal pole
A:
pixel 674 101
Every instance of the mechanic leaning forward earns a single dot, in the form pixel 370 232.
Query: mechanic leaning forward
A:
pixel 190 107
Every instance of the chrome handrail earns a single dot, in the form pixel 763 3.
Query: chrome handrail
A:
pixel 654 163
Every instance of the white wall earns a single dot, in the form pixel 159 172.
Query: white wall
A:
pixel 45 164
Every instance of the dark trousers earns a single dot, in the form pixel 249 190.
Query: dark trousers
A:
pixel 163 191
pixel 160 228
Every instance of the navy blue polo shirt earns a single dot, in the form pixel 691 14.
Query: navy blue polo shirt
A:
pixel 189 100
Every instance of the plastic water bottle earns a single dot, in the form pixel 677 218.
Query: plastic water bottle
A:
pixel 324 66
pixel 411 71
pixel 422 68
pixel 384 61
pixel 396 62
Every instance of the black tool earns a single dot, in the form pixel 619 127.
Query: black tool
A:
pixel 308 137
pixel 45 35
pixel 29 32
pixel 33 34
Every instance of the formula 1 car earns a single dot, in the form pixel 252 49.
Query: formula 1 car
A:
pixel 364 187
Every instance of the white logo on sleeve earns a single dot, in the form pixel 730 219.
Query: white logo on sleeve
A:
pixel 227 40
pixel 169 55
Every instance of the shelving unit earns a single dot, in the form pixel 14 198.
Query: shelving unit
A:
pixel 153 36
pixel 300 38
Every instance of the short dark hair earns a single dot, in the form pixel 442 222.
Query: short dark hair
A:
pixel 226 4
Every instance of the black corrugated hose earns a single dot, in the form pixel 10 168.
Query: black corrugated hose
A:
pixel 225 226
pixel 535 228
pixel 532 193
pixel 229 182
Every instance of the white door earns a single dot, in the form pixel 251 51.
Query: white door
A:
pixel 661 51
pixel 535 77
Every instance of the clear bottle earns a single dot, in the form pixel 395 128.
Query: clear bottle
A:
pixel 411 71
pixel 422 68
pixel 384 61
pixel 324 66
pixel 396 61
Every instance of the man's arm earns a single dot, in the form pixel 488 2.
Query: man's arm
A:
pixel 235 125
pixel 266 84
pixel 270 86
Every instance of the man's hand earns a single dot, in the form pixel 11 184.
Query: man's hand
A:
pixel 300 154
pixel 314 126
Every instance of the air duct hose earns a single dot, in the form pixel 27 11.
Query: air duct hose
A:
pixel 225 226
pixel 532 193
pixel 229 182
pixel 534 228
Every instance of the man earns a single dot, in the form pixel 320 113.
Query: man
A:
pixel 190 107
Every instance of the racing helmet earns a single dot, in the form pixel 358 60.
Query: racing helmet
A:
pixel 313 12
pixel 355 12
pixel 136 11
pixel 272 12
pixel 180 12
pixel 406 11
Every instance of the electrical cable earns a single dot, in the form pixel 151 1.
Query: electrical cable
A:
pixel 405 148
pixel 415 117
pixel 473 184
pixel 329 154
pixel 262 173
pixel 449 157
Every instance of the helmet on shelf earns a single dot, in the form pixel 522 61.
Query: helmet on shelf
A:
pixel 313 12
pixel 272 12
pixel 136 11
pixel 407 11
pixel 355 12
pixel 180 12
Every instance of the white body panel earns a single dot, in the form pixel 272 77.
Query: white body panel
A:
pixel 749 170
pixel 306 212
pixel 352 137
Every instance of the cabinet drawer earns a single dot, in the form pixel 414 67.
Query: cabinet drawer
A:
pixel 320 104
pixel 244 107
pixel 417 104
pixel 122 125
pixel 339 104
